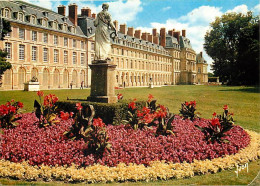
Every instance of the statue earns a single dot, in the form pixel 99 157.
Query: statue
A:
pixel 103 22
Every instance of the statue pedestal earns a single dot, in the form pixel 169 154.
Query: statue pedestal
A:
pixel 102 83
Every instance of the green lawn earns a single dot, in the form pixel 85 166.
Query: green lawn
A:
pixel 243 101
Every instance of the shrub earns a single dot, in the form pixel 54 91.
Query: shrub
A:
pixel 218 126
pixel 8 114
pixel 110 113
pixel 46 111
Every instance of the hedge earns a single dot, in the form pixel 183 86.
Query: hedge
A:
pixel 110 113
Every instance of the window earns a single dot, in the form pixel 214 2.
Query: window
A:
pixel 44 23
pixel 55 25
pixel 74 43
pixel 21 52
pixel 20 16
pixel 82 59
pixel 34 35
pixel 199 70
pixel 8 34
pixel 7 13
pixel 45 54
pixel 56 56
pixel 82 44
pixel 33 21
pixel 74 58
pixel 8 49
pixel 65 57
pixel 21 33
pixel 92 46
pixel 45 37
pixel 34 53
pixel 65 41
pixel 55 40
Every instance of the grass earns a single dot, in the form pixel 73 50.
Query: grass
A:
pixel 243 101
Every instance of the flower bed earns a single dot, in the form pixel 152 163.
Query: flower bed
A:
pixel 155 171
pixel 48 146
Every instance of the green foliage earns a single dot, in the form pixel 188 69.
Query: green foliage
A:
pixel 4 65
pixel 113 113
pixel 218 126
pixel 210 74
pixel 6 28
pixel 233 44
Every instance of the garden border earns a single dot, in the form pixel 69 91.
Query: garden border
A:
pixel 158 170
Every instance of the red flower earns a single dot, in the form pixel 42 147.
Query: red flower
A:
pixel 40 93
pixel 3 110
pixel 215 121
pixel 214 114
pixel 146 110
pixel 193 103
pixel 132 105
pixel 225 107
pixel 12 109
pixel 71 114
pixel 119 96
pixel 78 106
pixel 148 118
pixel 98 122
pixel 150 97
pixel 139 114
pixel 20 104
pixel 187 103
pixel 64 116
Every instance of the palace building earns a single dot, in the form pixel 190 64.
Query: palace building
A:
pixel 57 49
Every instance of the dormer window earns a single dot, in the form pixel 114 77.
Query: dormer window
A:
pixel 20 16
pixel 55 25
pixel 73 29
pixel 7 13
pixel 60 26
pixel 69 28
pixel 23 7
pixel 45 14
pixel 90 30
pixel 44 22
pixel 64 19
pixel 50 24
pixel 33 20
pixel 65 27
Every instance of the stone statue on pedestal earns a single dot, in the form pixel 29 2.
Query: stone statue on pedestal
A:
pixel 104 23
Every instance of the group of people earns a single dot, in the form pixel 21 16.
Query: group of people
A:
pixel 81 84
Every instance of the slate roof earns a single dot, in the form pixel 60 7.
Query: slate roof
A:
pixel 172 42
pixel 200 59
pixel 31 9
pixel 185 42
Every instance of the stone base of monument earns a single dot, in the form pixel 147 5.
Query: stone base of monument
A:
pixel 31 86
pixel 102 82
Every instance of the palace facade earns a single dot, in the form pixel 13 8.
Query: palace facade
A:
pixel 57 49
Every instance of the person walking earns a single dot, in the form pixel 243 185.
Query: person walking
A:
pixel 71 83
pixel 81 85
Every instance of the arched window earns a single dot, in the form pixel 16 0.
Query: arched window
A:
pixel 65 79
pixel 56 79
pixel 21 77
pixel 20 16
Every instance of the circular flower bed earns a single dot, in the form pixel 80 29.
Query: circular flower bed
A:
pixel 49 146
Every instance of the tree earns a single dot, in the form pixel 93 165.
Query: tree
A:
pixel 5 27
pixel 233 44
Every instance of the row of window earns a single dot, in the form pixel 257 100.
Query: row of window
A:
pixel 34 54
pixel 139 46
pixel 46 37
pixel 130 53
pixel 43 21
pixel 141 65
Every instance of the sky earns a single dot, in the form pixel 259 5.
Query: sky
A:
pixel 192 15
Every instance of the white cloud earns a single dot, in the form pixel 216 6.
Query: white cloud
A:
pixel 256 9
pixel 239 9
pixel 166 8
pixel 49 4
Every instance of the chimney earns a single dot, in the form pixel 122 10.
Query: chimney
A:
pixel 145 36
pixel 150 38
pixel 155 40
pixel 86 11
pixel 61 10
pixel 170 32
pixel 200 54
pixel 130 31
pixel 73 13
pixel 154 32
pixel 177 35
pixel 116 24
pixel 93 16
pixel 163 37
pixel 123 29
pixel 183 33
pixel 138 34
